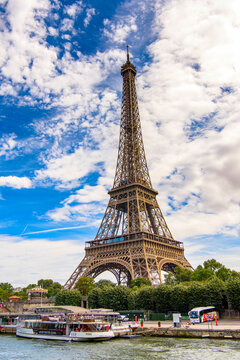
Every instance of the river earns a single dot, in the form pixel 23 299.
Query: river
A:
pixel 151 348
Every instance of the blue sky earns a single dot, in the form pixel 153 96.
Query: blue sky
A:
pixel 60 96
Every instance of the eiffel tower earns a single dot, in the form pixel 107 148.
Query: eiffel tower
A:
pixel 133 239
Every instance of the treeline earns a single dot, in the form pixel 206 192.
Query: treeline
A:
pixel 164 298
pixel 7 290
pixel 210 284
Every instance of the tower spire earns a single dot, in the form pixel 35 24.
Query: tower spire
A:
pixel 128 54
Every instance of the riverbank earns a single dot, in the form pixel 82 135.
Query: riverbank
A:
pixel 225 329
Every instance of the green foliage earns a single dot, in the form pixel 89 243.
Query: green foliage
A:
pixel 223 273
pixel 105 300
pixel 212 264
pixel 139 282
pixel 220 270
pixel 144 298
pixel 234 275
pixel 31 286
pixel 210 269
pixel 206 294
pixel 161 298
pixel 115 298
pixel 85 285
pixel 201 274
pixel 102 283
pixel 214 289
pixel 132 299
pixel 68 297
pixel 94 298
pixel 52 287
pixel 6 290
pixel 170 279
pixel 178 300
pixel 182 275
pixel 197 295
pixel 233 293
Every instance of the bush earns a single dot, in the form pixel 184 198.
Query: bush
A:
pixel 197 295
pixel 214 289
pixel 179 298
pixel 115 298
pixel 206 294
pixel 94 298
pixel 144 298
pixel 161 297
pixel 68 297
pixel 233 293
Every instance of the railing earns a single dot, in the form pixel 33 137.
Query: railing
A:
pixel 134 236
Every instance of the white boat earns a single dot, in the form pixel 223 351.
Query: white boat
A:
pixel 123 328
pixel 70 330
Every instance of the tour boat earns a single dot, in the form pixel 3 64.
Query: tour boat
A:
pixel 66 330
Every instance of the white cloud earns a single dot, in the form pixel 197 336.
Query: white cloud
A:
pixel 86 205
pixel 199 252
pixel 24 262
pixel 15 182
pixel 67 25
pixel 189 106
pixel 118 32
pixel 89 14
pixel 8 145
pixel 74 9
pixel 190 122
pixel 68 169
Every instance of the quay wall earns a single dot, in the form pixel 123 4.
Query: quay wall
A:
pixel 23 306
pixel 190 333
pixel 8 330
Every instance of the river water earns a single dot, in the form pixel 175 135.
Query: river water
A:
pixel 13 348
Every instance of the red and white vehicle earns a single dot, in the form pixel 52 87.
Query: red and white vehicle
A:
pixel 202 314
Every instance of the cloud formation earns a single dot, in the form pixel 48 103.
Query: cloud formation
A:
pixel 37 258
pixel 187 55
pixel 15 182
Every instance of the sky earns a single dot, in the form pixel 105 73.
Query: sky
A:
pixel 60 108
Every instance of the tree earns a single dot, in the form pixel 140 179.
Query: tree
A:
pixel 197 296
pixel 85 285
pixel 6 290
pixel 52 287
pixel 214 289
pixel 139 282
pixel 233 293
pixel 212 264
pixel 223 273
pixel 94 297
pixel 182 275
pixel 115 298
pixel 201 274
pixel 161 298
pixel 206 294
pixel 170 279
pixel 102 283
pixel 178 300
pixel 144 298
pixel 68 297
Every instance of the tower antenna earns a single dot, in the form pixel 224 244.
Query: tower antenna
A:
pixel 128 53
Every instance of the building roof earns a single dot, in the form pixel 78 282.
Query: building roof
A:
pixel 64 308
pixel 37 289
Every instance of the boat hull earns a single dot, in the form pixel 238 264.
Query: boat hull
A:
pixel 73 336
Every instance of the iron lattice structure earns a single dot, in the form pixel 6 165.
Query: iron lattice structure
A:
pixel 133 239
